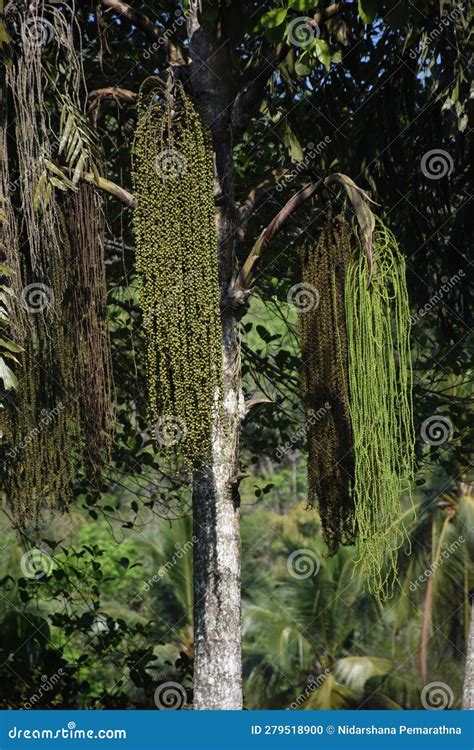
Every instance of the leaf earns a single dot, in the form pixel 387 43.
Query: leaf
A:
pixel 79 169
pixel 5 37
pixel 57 183
pixel 303 66
pixel 274 18
pixel 66 132
pixel 323 53
pixel 38 197
pixel 11 356
pixel 291 140
pixel 5 270
pixel 365 217
pixel 302 5
pixel 58 172
pixel 354 671
pixel 7 375
pixel 10 345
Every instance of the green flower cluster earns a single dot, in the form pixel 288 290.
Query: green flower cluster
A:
pixel 380 377
pixel 177 261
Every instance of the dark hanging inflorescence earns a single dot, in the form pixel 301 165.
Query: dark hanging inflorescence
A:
pixel 178 265
pixel 325 383
pixel 53 242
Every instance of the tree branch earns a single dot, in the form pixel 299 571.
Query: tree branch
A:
pixel 159 35
pixel 101 100
pixel 239 288
pixel 110 187
pixel 139 20
pixel 113 92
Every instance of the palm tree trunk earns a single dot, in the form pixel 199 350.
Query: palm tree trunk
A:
pixel 217 641
pixel 217 636
pixel 468 688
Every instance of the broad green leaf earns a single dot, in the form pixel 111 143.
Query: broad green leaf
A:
pixel 303 65
pixel 323 52
pixel 274 18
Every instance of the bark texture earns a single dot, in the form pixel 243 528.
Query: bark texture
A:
pixel 217 641
pixel 468 688
pixel 217 622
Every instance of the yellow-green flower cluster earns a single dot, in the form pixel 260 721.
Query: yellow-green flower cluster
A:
pixel 177 261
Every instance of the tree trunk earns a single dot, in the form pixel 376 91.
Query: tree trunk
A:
pixel 217 626
pixel 468 688
pixel 217 642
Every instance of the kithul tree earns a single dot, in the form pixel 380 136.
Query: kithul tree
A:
pixel 189 237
